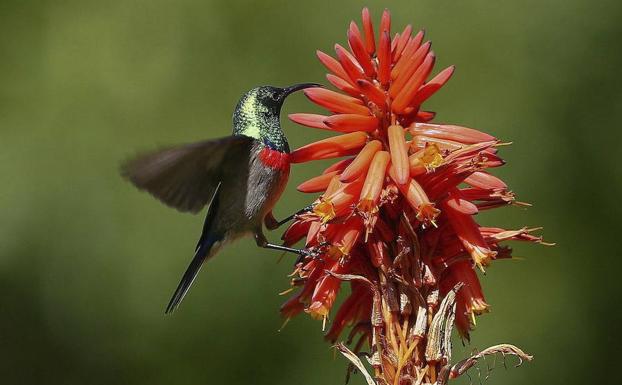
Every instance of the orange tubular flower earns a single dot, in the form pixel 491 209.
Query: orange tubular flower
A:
pixel 360 164
pixel 317 184
pixel 351 123
pixel 330 148
pixel 368 201
pixel 424 160
pixel 399 153
pixel 309 120
pixel 471 300
pixel 374 180
pixel 396 216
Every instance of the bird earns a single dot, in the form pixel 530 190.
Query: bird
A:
pixel 239 177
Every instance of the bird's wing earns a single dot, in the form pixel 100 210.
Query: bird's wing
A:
pixel 185 177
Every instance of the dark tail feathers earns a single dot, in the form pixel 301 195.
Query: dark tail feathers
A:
pixel 202 252
pixel 206 242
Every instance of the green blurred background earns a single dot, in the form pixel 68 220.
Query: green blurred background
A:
pixel 87 263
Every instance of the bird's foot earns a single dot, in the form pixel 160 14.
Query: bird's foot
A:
pixel 314 252
pixel 272 223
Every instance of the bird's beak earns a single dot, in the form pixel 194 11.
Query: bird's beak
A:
pixel 298 87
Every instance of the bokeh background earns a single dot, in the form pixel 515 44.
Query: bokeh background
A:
pixel 87 263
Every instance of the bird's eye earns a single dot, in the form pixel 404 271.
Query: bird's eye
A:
pixel 274 97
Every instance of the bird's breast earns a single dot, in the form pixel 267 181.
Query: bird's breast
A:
pixel 267 177
pixel 274 159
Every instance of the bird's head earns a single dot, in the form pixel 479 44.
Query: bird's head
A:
pixel 272 98
pixel 257 114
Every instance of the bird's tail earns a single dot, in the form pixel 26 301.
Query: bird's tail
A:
pixel 203 251
pixel 206 247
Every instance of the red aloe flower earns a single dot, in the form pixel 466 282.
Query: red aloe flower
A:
pixel 396 216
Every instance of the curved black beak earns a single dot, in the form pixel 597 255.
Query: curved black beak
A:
pixel 298 87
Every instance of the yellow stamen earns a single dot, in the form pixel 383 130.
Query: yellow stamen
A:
pixel 318 311
pixel 500 144
pixel 481 257
pixel 287 291
pixel 325 210
pixel 336 252
pixel 284 323
pixel 479 307
pixel 431 157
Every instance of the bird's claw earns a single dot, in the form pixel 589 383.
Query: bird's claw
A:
pixel 307 209
pixel 311 253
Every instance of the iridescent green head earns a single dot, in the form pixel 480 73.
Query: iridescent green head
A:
pixel 258 114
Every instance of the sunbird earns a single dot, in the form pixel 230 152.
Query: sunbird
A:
pixel 240 177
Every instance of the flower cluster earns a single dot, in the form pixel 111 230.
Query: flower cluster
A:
pixel 395 216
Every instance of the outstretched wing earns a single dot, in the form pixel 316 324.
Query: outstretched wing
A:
pixel 185 177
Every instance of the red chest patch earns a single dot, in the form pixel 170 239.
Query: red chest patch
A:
pixel 274 159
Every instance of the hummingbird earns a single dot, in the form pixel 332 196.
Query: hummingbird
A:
pixel 239 177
